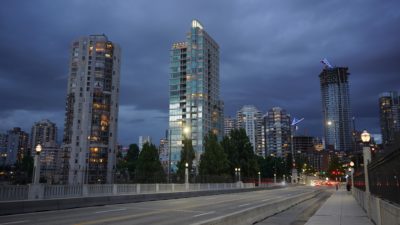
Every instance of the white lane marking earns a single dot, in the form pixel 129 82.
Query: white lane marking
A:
pixel 15 222
pixel 270 199
pixel 112 210
pixel 204 214
pixel 188 211
pixel 210 198
pixel 244 205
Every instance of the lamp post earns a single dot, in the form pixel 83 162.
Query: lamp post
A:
pixel 236 174
pixel 274 178
pixel 366 137
pixel 352 175
pixel 169 156
pixel 259 178
pixel 187 175
pixel 293 130
pixel 36 169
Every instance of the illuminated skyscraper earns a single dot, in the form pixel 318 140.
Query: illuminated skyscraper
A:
pixel 90 129
pixel 250 119
pixel 389 112
pixel 336 108
pixel 194 103
pixel 277 132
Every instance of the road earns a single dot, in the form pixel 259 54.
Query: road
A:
pixel 175 211
pixel 300 213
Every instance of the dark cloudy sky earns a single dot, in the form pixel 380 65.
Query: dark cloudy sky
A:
pixel 269 55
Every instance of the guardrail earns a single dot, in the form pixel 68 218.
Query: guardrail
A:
pixel 381 211
pixel 45 191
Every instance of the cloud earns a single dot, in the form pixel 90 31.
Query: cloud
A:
pixel 269 55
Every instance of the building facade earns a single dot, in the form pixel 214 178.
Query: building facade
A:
pixel 163 152
pixel 3 149
pixel 90 128
pixel 195 108
pixel 336 108
pixel 143 140
pixel 229 125
pixel 277 132
pixel 17 145
pixel 44 132
pixel 389 114
pixel 250 119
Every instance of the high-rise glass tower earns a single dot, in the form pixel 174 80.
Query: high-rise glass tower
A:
pixel 336 108
pixel 277 132
pixel 194 102
pixel 250 119
pixel 90 129
pixel 389 113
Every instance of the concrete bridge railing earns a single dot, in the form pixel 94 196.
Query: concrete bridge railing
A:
pixel 45 191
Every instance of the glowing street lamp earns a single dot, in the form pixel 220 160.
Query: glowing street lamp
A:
pixel 366 137
pixel 36 164
pixel 187 175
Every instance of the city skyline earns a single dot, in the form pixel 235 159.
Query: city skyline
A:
pixel 263 62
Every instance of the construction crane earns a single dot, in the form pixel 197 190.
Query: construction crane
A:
pixel 326 63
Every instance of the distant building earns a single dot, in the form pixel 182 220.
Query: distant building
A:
pixel 163 151
pixel 250 119
pixel 17 145
pixel 195 107
pixel 44 133
pixel 143 140
pixel 229 125
pixel 336 108
pixel 91 117
pixel 303 144
pixel 3 149
pixel 389 113
pixel 277 132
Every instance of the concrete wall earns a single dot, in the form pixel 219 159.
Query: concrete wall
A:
pixel 260 212
pixel 380 211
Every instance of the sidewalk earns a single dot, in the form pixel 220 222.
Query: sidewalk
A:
pixel 340 209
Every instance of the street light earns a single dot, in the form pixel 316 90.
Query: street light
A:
pixel 274 178
pixel 36 170
pixel 239 174
pixel 293 127
pixel 236 174
pixel 259 178
pixel 366 137
pixel 186 174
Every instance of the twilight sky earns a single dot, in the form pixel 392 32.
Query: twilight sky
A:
pixel 270 54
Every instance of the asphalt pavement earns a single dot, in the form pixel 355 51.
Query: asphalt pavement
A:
pixel 176 211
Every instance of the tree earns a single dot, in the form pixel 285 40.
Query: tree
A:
pixel 335 168
pixel 24 170
pixel 240 153
pixel 187 156
pixel 127 165
pixel 148 166
pixel 214 162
